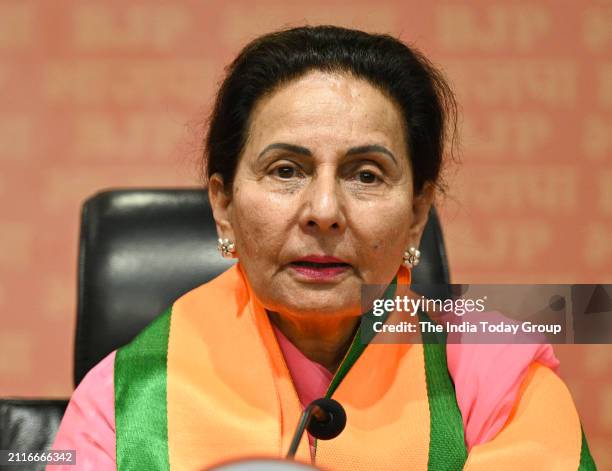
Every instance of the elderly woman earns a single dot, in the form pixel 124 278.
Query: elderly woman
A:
pixel 323 155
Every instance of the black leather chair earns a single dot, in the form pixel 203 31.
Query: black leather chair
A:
pixel 140 249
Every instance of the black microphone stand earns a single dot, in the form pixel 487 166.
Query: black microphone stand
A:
pixel 329 421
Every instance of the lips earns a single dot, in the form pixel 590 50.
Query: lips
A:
pixel 319 267
pixel 319 261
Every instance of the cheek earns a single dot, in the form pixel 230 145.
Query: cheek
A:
pixel 256 225
pixel 386 238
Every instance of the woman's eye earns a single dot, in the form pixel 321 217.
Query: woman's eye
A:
pixel 367 177
pixel 285 172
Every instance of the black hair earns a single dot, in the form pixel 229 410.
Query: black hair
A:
pixel 401 72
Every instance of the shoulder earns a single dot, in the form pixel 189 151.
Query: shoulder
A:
pixel 228 290
pixel 88 425
pixel 517 412
pixel 542 430
pixel 488 378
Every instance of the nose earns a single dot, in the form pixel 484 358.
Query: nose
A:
pixel 323 205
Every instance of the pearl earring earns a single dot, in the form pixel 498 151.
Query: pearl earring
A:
pixel 412 257
pixel 226 248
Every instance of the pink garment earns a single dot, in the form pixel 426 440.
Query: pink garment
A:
pixel 311 380
pixel 488 376
pixel 88 425
pixel 487 379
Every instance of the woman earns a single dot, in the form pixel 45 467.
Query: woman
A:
pixel 323 156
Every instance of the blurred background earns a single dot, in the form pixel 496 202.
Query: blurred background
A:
pixel 96 95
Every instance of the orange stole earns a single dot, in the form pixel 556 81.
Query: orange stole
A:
pixel 224 358
pixel 543 430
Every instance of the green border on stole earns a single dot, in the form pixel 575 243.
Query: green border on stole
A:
pixel 586 460
pixel 141 413
pixel 447 449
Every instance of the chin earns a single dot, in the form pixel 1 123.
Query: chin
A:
pixel 306 301
pixel 319 307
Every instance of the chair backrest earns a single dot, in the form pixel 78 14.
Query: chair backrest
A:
pixel 29 425
pixel 140 249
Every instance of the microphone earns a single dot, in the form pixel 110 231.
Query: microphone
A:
pixel 324 418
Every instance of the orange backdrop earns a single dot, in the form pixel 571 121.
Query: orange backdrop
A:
pixel 104 94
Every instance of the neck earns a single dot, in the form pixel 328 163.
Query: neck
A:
pixel 324 341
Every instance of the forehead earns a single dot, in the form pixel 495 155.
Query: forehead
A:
pixel 323 105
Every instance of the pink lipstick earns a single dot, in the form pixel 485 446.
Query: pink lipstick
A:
pixel 319 267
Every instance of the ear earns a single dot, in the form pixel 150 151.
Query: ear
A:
pixel 221 204
pixel 421 205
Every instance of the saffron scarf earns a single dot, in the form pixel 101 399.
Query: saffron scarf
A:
pixel 207 382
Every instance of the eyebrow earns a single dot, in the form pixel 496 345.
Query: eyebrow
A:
pixel 366 149
pixel 289 147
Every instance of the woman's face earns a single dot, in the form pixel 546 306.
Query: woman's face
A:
pixel 322 200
